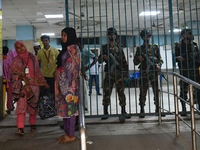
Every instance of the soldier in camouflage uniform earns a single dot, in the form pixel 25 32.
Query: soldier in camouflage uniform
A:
pixel 148 71
pixel 115 72
pixel 188 58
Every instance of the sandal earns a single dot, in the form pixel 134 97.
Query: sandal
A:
pixel 8 111
pixel 20 132
pixel 33 128
pixel 66 139
pixel 61 137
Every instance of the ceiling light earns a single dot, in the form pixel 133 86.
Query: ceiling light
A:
pixel 50 34
pixel 54 16
pixel 176 30
pixel 149 13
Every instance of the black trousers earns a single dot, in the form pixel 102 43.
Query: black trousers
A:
pixel 50 82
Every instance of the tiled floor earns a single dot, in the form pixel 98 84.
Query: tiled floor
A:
pixel 134 134
pixel 101 135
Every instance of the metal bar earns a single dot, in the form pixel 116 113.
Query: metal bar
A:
pixel 176 105
pixel 81 111
pixel 67 13
pixel 194 140
pixel 159 103
pixel 189 81
pixel 82 117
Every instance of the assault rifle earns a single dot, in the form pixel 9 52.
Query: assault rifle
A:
pixel 115 62
pixel 150 63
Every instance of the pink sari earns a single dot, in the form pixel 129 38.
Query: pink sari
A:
pixel 28 103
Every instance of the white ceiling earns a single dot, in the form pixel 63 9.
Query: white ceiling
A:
pixel 98 15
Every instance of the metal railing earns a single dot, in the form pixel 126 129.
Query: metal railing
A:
pixel 191 103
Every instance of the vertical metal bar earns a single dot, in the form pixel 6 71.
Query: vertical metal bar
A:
pixel 159 102
pixel 194 141
pixel 81 113
pixel 126 48
pixel 133 39
pixel 172 33
pixel 67 13
pixel 176 105
pixel 138 24
pixel 166 54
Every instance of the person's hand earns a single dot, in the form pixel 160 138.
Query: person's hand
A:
pixel 21 94
pixel 157 67
pixel 26 80
pixel 180 58
pixel 86 68
pixel 54 74
pixel 140 58
pixel 85 77
pixel 105 57
pixel 46 86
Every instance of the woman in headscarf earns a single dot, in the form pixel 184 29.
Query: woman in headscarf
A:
pixel 67 83
pixel 26 78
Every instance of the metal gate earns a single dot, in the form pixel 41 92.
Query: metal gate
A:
pixel 163 19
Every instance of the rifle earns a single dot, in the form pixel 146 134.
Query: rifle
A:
pixel 150 63
pixel 115 62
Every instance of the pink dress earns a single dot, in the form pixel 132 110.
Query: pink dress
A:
pixel 28 103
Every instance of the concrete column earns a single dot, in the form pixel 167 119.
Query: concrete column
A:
pixel 1 67
pixel 26 33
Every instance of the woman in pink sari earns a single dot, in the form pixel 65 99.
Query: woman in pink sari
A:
pixel 26 78
pixel 67 84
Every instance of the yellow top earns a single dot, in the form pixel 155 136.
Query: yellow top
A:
pixel 47 59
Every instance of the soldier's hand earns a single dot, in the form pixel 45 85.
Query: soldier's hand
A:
pixel 157 67
pixel 140 58
pixel 180 58
pixel 105 57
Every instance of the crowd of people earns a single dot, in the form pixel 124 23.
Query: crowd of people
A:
pixel 61 71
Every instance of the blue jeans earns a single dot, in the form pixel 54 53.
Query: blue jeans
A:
pixel 96 79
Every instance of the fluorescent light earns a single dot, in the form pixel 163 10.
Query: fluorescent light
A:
pixel 50 34
pixel 176 30
pixel 54 16
pixel 149 13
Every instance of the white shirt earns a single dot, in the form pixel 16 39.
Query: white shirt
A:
pixel 94 70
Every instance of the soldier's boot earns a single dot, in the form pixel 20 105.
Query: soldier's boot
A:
pixel 184 112
pixel 199 108
pixel 105 111
pixel 123 111
pixel 142 112
pixel 121 116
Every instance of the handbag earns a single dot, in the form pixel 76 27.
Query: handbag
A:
pixel 46 104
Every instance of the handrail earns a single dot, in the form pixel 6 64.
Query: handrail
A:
pixel 191 85
pixel 189 81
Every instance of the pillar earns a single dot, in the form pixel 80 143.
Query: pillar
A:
pixel 26 33
pixel 1 67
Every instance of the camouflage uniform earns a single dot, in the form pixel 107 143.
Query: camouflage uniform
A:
pixel 148 72
pixel 188 68
pixel 113 73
